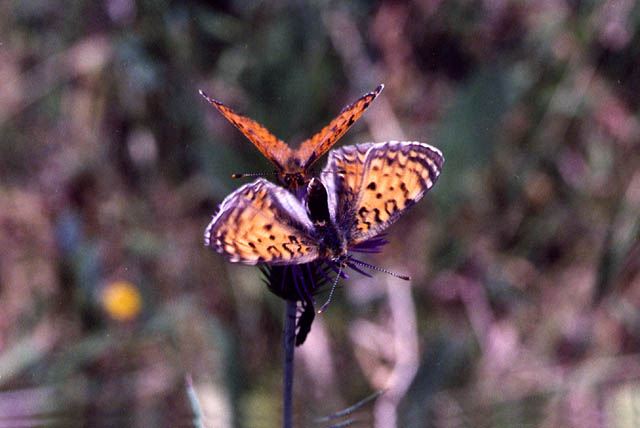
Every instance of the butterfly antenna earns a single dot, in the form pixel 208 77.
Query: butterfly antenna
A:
pixel 333 287
pixel 367 265
pixel 253 174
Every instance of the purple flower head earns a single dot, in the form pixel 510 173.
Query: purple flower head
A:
pixel 301 282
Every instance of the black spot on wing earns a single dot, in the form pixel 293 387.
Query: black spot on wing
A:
pixel 362 213
pixel 274 251
pixel 405 191
pixel 351 121
pixel 377 215
pixel 293 246
pixel 391 206
pixel 287 249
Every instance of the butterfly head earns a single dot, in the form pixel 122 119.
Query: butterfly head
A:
pixel 293 173
pixel 293 180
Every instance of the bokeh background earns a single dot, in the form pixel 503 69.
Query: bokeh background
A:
pixel 524 309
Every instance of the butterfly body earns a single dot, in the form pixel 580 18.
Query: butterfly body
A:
pixel 362 190
pixel 293 165
pixel 331 245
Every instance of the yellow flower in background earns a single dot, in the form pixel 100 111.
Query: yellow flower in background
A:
pixel 121 300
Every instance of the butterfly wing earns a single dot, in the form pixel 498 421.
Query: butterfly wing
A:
pixel 342 177
pixel 269 145
pixel 374 184
pixel 262 223
pixel 313 148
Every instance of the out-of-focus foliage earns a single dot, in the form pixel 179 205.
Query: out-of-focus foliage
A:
pixel 524 307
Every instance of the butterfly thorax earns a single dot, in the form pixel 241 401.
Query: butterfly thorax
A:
pixel 330 244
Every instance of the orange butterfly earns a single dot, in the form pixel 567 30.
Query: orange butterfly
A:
pixel 293 164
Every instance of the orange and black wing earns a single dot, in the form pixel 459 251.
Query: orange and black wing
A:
pixel 269 145
pixel 313 148
pixel 262 223
pixel 371 185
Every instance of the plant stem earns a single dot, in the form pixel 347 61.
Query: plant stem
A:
pixel 289 349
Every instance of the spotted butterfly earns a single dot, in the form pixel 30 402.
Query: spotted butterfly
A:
pixel 293 164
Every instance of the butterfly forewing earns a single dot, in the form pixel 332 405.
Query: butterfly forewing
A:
pixel 262 223
pixel 396 175
pixel 269 145
pixel 313 148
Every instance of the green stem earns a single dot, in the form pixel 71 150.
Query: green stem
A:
pixel 289 350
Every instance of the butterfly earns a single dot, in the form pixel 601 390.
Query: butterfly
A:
pixel 362 190
pixel 293 164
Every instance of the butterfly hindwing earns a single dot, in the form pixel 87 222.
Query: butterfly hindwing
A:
pixel 342 177
pixel 262 223
pixel 269 145
pixel 371 190
pixel 313 148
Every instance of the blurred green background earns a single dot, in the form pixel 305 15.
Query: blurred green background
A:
pixel 524 309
